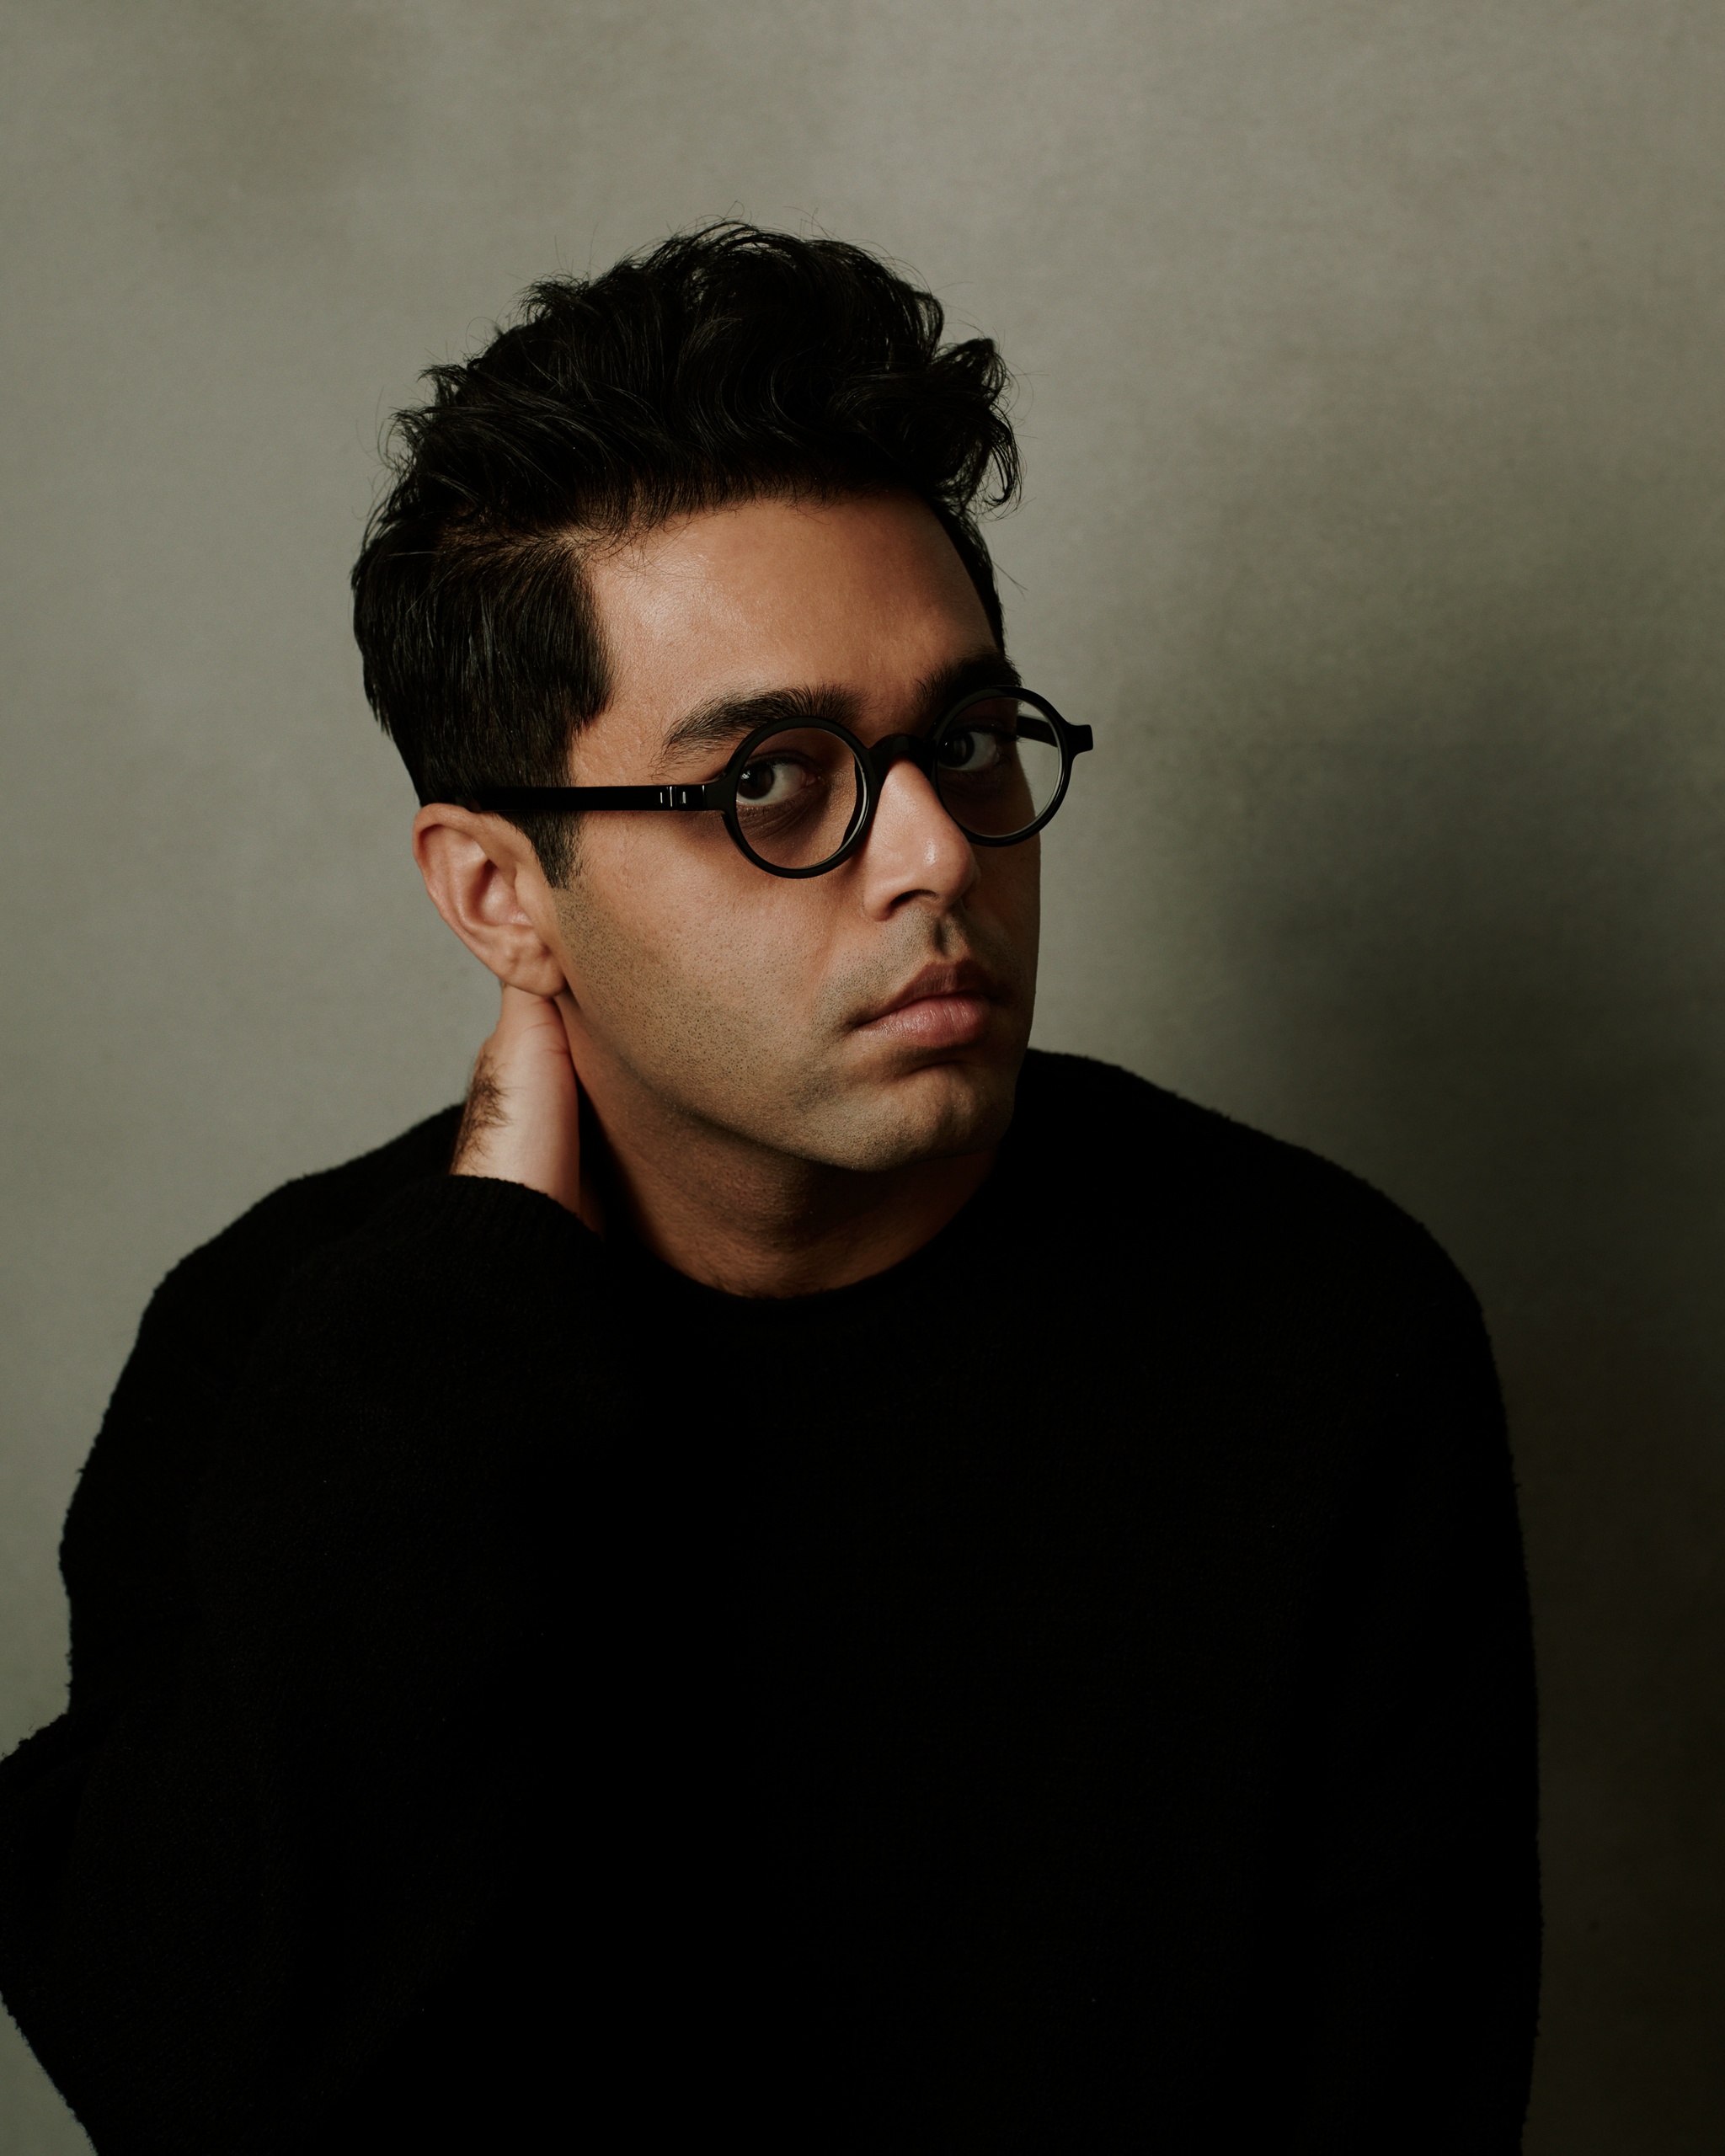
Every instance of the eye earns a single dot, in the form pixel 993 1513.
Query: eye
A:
pixel 975 749
pixel 772 781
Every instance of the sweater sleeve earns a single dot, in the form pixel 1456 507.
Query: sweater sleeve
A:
pixel 1411 1992
pixel 281 1825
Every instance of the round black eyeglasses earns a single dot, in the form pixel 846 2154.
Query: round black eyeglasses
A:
pixel 799 797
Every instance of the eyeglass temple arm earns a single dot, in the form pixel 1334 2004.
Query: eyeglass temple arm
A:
pixel 919 748
pixel 1078 738
pixel 536 800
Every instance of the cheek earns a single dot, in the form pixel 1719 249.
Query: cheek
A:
pixel 678 947
pixel 1010 888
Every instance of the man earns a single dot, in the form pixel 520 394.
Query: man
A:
pixel 795 1577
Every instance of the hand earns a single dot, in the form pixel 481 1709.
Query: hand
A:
pixel 522 1121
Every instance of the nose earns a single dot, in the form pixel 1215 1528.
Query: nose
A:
pixel 915 853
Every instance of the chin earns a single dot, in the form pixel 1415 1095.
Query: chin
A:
pixel 939 1113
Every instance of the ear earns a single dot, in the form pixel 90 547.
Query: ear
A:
pixel 485 879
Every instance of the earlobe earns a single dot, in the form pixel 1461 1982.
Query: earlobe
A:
pixel 485 878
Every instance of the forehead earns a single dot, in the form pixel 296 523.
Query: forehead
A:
pixel 867 595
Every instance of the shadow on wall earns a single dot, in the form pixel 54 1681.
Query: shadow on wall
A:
pixel 1470 942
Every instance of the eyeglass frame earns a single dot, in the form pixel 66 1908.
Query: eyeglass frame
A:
pixel 874 763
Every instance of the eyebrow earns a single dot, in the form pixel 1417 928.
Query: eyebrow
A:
pixel 723 722
pixel 960 677
pixel 726 720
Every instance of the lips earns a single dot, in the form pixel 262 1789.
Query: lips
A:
pixel 941 1006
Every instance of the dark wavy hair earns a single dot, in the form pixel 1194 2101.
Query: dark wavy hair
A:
pixel 725 364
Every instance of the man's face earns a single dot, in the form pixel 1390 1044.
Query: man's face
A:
pixel 867 1018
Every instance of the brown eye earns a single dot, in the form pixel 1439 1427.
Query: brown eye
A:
pixel 973 749
pixel 771 780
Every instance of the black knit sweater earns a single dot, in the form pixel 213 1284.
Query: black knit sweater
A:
pixel 1070 1694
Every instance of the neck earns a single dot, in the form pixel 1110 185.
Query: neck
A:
pixel 736 1216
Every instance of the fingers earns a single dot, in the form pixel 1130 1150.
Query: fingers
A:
pixel 522 1119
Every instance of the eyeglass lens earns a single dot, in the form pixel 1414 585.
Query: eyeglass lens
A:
pixel 998 767
pixel 800 794
pixel 799 797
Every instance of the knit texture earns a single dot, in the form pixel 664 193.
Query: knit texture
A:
pixel 1069 1695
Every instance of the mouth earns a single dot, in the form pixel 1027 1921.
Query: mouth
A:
pixel 941 1006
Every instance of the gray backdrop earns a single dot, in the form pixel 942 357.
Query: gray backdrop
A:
pixel 1371 405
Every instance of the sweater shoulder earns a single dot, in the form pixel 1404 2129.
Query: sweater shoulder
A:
pixel 1122 1150
pixel 224 1289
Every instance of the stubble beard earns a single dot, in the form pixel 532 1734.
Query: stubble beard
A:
pixel 751 1070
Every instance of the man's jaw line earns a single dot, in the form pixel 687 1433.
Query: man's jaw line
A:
pixel 751 1219
pixel 762 1199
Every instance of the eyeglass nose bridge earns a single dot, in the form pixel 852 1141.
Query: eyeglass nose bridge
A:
pixel 911 747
